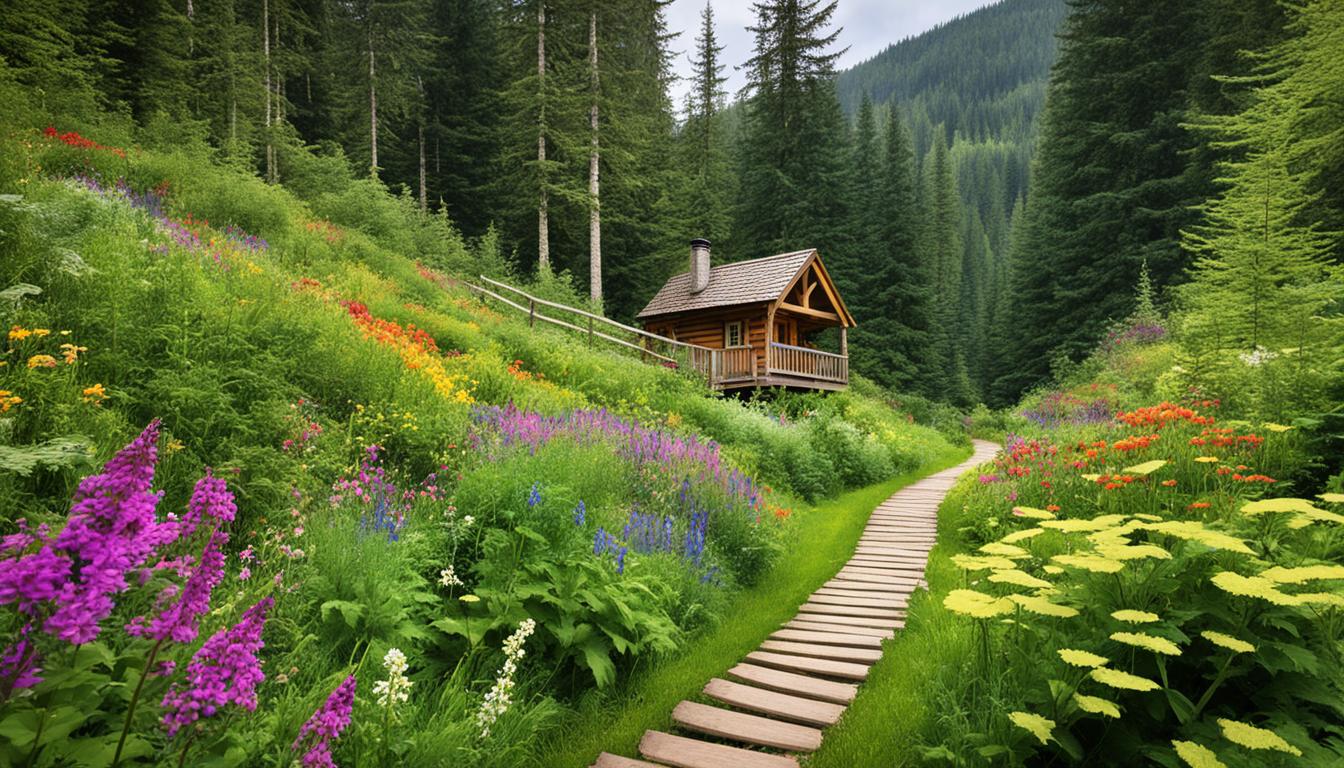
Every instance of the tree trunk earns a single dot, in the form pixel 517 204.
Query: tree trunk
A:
pixel 373 113
pixel 543 228
pixel 424 197
pixel 594 200
pixel 266 54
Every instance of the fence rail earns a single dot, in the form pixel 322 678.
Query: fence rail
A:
pixel 812 363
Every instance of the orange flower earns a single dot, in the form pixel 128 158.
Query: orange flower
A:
pixel 1051 507
pixel 41 361
pixel 8 400
pixel 1169 483
pixel 1198 505
pixel 71 353
pixel 95 394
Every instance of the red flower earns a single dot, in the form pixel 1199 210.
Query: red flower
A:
pixel 1169 483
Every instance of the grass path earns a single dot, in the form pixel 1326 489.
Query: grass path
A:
pixel 823 540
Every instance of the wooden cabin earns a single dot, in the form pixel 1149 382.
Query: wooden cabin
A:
pixel 758 317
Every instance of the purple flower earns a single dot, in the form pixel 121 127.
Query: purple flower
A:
pixel 210 499
pixel 112 530
pixel 224 671
pixel 326 724
pixel 178 622
pixel 18 664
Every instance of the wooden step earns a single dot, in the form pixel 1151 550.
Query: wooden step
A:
pixel 842 629
pixel 856 621
pixel 866 586
pixel 902 574
pixel 608 760
pixel 820 651
pixel 773 703
pixel 848 610
pixel 846 670
pixel 826 638
pixel 900 597
pixel 795 684
pixel 750 729
pixel 873 578
pixel 858 602
pixel 682 752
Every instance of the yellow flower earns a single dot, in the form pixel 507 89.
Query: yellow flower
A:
pixel 1255 738
pixel 1078 658
pixel 1044 607
pixel 40 332
pixel 1279 505
pixel 1018 578
pixel 1013 538
pixel 1146 468
pixel 1147 642
pixel 19 334
pixel 1193 530
pixel 71 353
pixel 1148 517
pixel 8 400
pixel 1272 427
pixel 978 563
pixel 1253 586
pixel 1096 706
pixel 1077 526
pixel 1053 570
pixel 1092 563
pixel 1038 726
pixel 1319 598
pixel 1133 551
pixel 977 605
pixel 41 361
pixel 1135 617
pixel 1332 498
pixel 1197 756
pixel 469 599
pixel 1123 680
pixel 1004 550
pixel 1305 573
pixel 1207 460
pixel 95 394
pixel 1033 513
pixel 1234 644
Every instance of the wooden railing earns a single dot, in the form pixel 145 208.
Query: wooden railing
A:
pixel 670 352
pixel 735 363
pixel 808 363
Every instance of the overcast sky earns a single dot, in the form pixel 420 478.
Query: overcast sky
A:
pixel 868 26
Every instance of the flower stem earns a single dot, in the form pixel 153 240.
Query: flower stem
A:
pixel 135 699
pixel 181 761
pixel 1208 694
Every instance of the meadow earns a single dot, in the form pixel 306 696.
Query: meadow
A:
pixel 276 488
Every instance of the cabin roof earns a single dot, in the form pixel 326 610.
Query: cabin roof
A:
pixel 741 282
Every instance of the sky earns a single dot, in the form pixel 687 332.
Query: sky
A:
pixel 868 27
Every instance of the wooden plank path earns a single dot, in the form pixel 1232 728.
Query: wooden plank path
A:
pixel 801 679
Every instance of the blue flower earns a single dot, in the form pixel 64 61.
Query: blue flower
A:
pixel 620 560
pixel 534 498
pixel 579 513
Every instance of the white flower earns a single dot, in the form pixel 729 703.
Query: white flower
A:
pixel 396 687
pixel 448 578
pixel 499 698
pixel 468 520
pixel 1257 356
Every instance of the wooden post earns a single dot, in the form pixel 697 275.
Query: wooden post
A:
pixel 844 340
pixel 590 331
pixel 531 313
pixel 769 337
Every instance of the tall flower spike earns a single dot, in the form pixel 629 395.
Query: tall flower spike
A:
pixel 224 671
pixel 211 500
pixel 396 688
pixel 178 622
pixel 326 725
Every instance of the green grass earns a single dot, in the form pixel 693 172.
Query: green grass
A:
pixel 823 538
pixel 891 715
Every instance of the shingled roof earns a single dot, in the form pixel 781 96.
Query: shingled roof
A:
pixel 742 282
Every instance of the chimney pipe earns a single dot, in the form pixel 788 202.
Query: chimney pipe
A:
pixel 699 264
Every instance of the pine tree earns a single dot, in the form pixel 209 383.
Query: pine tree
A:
pixel 941 249
pixel 704 140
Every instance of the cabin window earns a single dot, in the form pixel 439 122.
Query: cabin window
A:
pixel 732 334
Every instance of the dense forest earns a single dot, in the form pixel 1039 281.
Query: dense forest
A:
pixel 1006 228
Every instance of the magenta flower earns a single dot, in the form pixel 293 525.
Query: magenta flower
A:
pixel 210 499
pixel 224 671
pixel 178 622
pixel 326 725
pixel 112 530
pixel 18 664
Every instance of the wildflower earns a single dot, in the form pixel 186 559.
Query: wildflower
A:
pixel 1255 738
pixel 224 671
pixel 580 513
pixel 1037 514
pixel 978 563
pixel 1122 680
pixel 1096 706
pixel 1252 586
pixel 1207 459
pixel 469 599
pixel 326 724
pixel 498 699
pixel 8 400
pixel 468 520
pixel 1198 505
pixel 397 687
pixel 1082 658
pixel 1052 507
pixel 534 496
pixel 41 361
pixel 211 501
pixel 1147 642
pixel 975 604
pixel 1043 606
pixel 1303 574
pixel 18 664
pixel 71 353
pixel 448 578
pixel 1038 726
pixel 1196 755
pixel 1093 563
pixel 1018 578
pixel 1236 645
pixel 1135 617
pixel 1169 483
pixel 245 573
pixel 17 333
pixel 1025 533
pixel 178 622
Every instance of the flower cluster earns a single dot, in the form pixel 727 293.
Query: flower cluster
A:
pixel 1161 415
pixel 499 698
pixel 417 349
pixel 73 139
pixel 325 726
pixel 1058 408
pixel 302 427
pixel 225 671
pixel 397 687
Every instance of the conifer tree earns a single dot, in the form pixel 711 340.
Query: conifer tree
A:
pixel 704 139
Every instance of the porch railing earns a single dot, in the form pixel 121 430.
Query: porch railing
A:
pixel 808 363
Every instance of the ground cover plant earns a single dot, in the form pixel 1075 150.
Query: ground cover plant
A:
pixel 370 521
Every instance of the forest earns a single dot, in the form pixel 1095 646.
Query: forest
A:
pixel 280 484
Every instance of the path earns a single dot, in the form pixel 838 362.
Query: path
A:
pixel 803 676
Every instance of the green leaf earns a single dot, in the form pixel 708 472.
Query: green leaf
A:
pixel 597 657
pixel 350 612
pixel 1182 706
pixel 19 728
pixel 57 453
pixel 14 294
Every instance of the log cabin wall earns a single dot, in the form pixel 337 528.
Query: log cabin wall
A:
pixel 706 328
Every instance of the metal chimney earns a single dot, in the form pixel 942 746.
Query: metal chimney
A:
pixel 699 264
